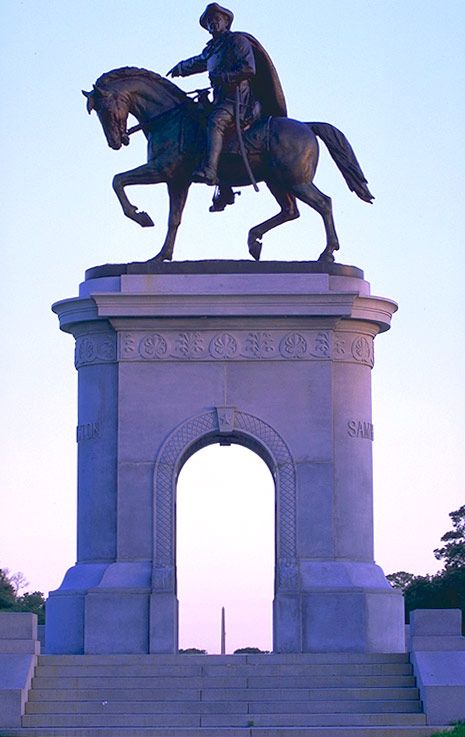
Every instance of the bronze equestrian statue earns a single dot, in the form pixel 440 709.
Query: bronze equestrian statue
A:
pixel 243 137
pixel 245 86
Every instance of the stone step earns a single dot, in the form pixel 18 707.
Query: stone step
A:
pixel 221 720
pixel 311 695
pixel 327 681
pixel 198 682
pixel 96 693
pixel 261 659
pixel 19 647
pixel 245 671
pixel 385 731
pixel 221 707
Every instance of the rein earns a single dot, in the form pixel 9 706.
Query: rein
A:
pixel 148 124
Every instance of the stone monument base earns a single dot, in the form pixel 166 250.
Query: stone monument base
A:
pixel 273 356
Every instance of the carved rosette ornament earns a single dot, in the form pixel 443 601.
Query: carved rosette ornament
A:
pixel 293 345
pixel 362 350
pixel 223 346
pixel 153 346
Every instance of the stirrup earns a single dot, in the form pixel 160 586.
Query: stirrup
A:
pixel 222 197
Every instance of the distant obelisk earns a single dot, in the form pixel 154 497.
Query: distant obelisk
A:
pixel 223 632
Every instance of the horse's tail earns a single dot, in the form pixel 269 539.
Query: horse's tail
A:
pixel 344 157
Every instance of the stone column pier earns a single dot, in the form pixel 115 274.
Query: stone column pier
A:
pixel 275 356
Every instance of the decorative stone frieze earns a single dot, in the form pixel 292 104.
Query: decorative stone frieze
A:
pixel 93 349
pixel 244 345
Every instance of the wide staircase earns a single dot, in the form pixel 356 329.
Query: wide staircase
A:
pixel 348 695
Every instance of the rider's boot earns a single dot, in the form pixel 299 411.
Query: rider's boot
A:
pixel 223 196
pixel 207 172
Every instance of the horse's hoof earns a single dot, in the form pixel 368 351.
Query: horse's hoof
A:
pixel 255 249
pixel 160 257
pixel 326 256
pixel 143 219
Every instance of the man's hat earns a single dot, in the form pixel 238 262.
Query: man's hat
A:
pixel 215 8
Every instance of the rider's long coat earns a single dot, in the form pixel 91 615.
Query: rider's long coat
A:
pixel 238 60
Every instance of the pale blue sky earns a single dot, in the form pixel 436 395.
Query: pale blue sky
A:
pixel 390 74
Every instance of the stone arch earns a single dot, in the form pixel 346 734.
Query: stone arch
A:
pixel 224 425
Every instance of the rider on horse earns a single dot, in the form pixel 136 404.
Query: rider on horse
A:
pixel 245 83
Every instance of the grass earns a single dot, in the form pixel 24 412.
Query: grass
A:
pixel 458 731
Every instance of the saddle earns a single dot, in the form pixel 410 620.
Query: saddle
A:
pixel 255 134
pixel 255 137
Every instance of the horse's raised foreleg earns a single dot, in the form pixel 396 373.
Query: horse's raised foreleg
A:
pixel 289 211
pixel 141 175
pixel 178 195
pixel 320 202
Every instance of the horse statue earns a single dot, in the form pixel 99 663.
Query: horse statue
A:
pixel 280 151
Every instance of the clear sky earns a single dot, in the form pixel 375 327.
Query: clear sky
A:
pixel 390 74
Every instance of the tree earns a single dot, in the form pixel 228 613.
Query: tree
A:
pixel 400 580
pixel 7 592
pixel 10 585
pixel 18 580
pixel 32 602
pixel 453 552
pixel 446 589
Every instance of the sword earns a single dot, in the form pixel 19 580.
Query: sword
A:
pixel 241 142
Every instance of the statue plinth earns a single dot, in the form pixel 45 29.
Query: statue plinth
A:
pixel 276 357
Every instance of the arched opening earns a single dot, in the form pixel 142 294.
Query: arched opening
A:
pixel 225 549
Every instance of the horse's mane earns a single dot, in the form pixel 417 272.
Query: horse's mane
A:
pixel 122 73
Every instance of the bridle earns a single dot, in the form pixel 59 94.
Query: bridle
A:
pixel 197 95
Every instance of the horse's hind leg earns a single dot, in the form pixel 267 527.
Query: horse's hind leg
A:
pixel 289 211
pixel 320 202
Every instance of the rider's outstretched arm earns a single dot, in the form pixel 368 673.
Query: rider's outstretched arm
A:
pixel 194 65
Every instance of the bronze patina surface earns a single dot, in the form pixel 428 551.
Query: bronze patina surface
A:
pixel 242 137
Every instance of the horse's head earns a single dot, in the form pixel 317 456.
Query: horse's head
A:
pixel 142 93
pixel 112 109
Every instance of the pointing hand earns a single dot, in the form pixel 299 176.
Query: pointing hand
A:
pixel 175 71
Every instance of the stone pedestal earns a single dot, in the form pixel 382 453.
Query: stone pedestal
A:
pixel 276 357
pixel 19 649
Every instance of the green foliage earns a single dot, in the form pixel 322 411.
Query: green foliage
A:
pixel 400 580
pixel 249 651
pixel 10 584
pixel 446 589
pixel 453 552
pixel 192 651
pixel 32 602
pixel 457 731
pixel 7 592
